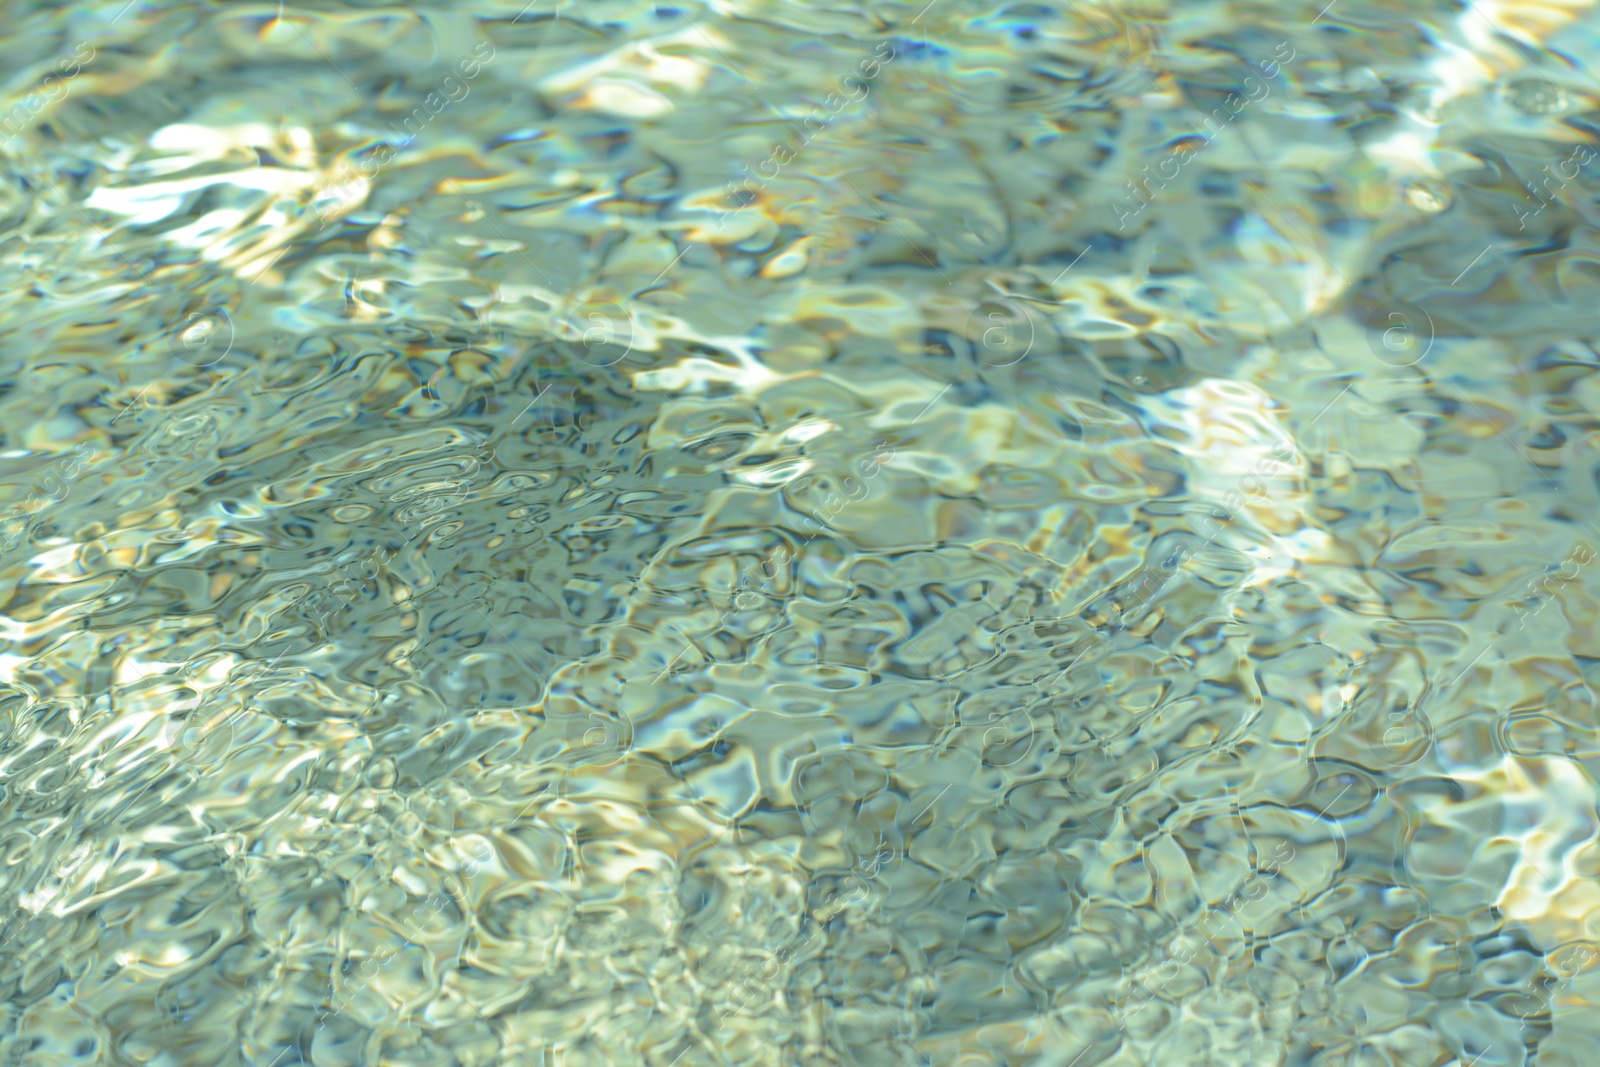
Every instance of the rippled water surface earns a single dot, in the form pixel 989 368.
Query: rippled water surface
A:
pixel 760 532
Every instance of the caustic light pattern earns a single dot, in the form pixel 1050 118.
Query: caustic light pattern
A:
pixel 760 533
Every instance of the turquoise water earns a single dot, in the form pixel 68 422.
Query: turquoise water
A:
pixel 766 533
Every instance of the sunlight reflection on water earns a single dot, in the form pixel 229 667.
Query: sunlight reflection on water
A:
pixel 765 534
